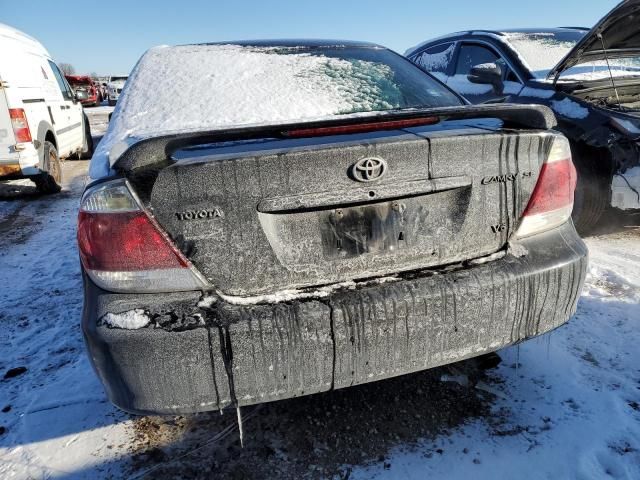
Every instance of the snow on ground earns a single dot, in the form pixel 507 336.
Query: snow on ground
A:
pixel 568 404
pixel 57 419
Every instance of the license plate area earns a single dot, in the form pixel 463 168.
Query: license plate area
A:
pixel 353 231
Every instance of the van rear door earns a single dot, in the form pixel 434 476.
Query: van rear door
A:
pixel 8 157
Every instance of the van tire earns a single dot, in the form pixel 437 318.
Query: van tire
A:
pixel 50 179
pixel 87 151
pixel 112 103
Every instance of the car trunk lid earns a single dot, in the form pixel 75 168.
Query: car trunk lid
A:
pixel 279 214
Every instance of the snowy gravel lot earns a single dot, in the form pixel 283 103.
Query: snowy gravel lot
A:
pixel 566 405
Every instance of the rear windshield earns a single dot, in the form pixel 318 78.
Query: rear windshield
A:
pixel 197 87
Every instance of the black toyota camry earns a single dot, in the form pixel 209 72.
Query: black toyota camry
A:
pixel 267 220
pixel 590 78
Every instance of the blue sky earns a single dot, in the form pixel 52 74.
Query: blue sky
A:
pixel 108 36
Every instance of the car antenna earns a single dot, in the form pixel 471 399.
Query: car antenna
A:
pixel 613 82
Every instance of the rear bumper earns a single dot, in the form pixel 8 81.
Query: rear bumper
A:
pixel 272 352
pixel 20 164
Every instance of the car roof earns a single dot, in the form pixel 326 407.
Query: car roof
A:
pixel 293 42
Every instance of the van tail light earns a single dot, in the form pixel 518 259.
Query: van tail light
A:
pixel 20 125
pixel 551 202
pixel 123 249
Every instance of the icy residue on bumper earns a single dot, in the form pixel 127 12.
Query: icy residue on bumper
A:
pixel 259 353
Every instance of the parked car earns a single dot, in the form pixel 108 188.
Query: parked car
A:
pixel 84 87
pixel 589 78
pixel 337 217
pixel 41 119
pixel 114 88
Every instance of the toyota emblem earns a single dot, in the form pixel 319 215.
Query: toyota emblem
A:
pixel 369 169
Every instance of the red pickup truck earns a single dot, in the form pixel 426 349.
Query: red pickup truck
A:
pixel 85 83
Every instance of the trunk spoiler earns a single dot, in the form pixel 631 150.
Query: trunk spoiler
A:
pixel 158 150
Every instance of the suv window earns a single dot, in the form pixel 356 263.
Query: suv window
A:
pixel 437 58
pixel 472 55
pixel 62 83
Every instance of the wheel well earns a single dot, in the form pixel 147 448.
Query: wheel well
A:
pixel 50 137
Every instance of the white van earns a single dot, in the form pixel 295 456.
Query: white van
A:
pixel 41 120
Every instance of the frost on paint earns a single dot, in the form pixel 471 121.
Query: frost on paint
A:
pixel 131 320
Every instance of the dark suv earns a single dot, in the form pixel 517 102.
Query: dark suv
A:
pixel 589 78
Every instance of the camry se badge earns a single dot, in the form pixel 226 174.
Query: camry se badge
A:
pixel 369 169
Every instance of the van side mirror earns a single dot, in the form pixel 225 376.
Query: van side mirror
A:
pixel 488 74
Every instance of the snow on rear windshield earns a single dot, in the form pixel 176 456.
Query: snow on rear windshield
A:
pixel 542 51
pixel 205 87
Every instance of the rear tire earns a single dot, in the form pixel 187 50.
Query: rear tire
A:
pixel 593 194
pixel 50 179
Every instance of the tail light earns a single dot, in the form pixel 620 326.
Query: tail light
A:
pixel 123 249
pixel 551 203
pixel 20 125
